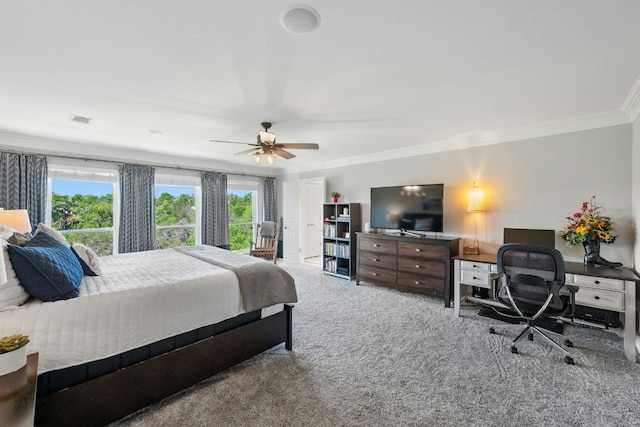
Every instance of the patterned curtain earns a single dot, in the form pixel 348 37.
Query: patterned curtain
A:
pixel 137 230
pixel 270 202
pixel 23 184
pixel 215 215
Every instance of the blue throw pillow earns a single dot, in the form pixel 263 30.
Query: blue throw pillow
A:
pixel 46 268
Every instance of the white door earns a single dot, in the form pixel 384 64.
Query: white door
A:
pixel 290 221
pixel 311 199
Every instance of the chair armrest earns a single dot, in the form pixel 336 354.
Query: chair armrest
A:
pixel 572 298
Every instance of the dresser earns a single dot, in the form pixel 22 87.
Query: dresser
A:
pixel 602 288
pixel 411 264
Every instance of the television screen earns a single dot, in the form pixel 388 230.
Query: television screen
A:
pixel 408 207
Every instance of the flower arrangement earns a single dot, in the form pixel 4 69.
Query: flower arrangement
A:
pixel 12 342
pixel 589 224
pixel 335 194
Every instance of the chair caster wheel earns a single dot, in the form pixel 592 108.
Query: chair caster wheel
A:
pixel 492 331
pixel 514 349
pixel 530 337
pixel 569 360
pixel 568 343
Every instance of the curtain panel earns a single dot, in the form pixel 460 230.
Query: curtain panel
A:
pixel 215 214
pixel 23 184
pixel 270 202
pixel 137 230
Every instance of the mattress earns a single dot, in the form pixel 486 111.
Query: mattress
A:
pixel 138 299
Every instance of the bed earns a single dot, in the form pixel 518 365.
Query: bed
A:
pixel 150 324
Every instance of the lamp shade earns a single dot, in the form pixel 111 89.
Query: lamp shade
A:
pixel 18 219
pixel 475 199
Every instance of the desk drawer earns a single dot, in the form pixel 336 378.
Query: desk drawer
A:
pixel 481 279
pixel 598 298
pixel 421 266
pixel 378 259
pixel 476 266
pixel 376 275
pixel 598 282
pixel 378 245
pixel 421 250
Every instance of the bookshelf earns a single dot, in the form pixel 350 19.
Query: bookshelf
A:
pixel 341 221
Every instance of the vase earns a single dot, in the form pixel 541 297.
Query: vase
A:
pixel 334 199
pixel 592 255
pixel 13 360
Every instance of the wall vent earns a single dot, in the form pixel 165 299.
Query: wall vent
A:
pixel 80 119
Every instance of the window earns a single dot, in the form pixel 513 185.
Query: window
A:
pixel 242 201
pixel 82 208
pixel 175 215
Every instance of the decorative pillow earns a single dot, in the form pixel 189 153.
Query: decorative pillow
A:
pixel 46 268
pixel 53 233
pixel 11 293
pixel 6 232
pixel 19 238
pixel 88 259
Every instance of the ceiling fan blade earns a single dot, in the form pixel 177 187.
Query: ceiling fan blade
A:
pixel 231 142
pixel 280 152
pixel 248 151
pixel 300 146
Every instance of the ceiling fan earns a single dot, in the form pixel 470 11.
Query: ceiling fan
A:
pixel 266 147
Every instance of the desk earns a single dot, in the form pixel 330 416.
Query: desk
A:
pixel 18 395
pixel 599 287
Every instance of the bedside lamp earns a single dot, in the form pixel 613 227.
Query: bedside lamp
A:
pixel 471 246
pixel 18 219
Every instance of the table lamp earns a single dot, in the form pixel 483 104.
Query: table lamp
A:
pixel 18 219
pixel 471 246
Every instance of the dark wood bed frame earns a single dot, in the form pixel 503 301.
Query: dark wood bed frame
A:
pixel 112 396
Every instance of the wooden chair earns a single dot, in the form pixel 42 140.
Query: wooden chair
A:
pixel 266 244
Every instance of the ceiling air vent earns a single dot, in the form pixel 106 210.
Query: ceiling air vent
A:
pixel 81 119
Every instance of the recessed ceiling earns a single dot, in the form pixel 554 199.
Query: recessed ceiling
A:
pixel 374 79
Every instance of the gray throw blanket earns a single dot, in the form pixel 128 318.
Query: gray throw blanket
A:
pixel 267 229
pixel 262 283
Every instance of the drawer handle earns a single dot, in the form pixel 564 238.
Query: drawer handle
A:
pixel 418 250
pixel 476 278
pixel 416 282
pixel 375 274
pixel 376 259
pixel 597 282
pixel 375 245
pixel 417 266
pixel 596 297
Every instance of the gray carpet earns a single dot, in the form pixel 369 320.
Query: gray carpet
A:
pixel 370 356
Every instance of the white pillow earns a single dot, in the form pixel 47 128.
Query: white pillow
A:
pixel 88 258
pixel 11 293
pixel 53 233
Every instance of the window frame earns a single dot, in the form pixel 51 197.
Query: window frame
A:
pixel 165 178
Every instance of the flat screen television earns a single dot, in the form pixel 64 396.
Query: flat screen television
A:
pixel 408 207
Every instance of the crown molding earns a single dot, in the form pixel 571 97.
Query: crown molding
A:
pixel 478 139
pixel 631 105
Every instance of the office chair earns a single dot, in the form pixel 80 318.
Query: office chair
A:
pixel 530 278
pixel 266 244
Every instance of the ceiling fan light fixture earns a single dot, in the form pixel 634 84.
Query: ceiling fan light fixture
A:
pixel 270 159
pixel 257 159
pixel 267 137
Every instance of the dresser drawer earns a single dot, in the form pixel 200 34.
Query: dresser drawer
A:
pixel 596 282
pixel 421 266
pixel 480 278
pixel 376 275
pixel 378 245
pixel 377 259
pixel 421 250
pixel 599 298
pixel 420 283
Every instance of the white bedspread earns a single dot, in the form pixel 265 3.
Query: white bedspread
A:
pixel 138 299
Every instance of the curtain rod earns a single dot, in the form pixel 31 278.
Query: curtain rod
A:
pixel 86 159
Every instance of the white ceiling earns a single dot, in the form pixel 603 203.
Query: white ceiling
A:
pixel 376 79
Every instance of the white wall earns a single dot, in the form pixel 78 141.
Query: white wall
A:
pixel 635 199
pixel 533 183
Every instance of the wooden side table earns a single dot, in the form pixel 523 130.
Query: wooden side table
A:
pixel 18 395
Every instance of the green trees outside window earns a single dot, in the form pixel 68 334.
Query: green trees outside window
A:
pixel 240 219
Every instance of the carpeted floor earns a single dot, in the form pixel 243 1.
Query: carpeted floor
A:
pixel 370 356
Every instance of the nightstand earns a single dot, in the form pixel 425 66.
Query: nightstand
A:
pixel 18 394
